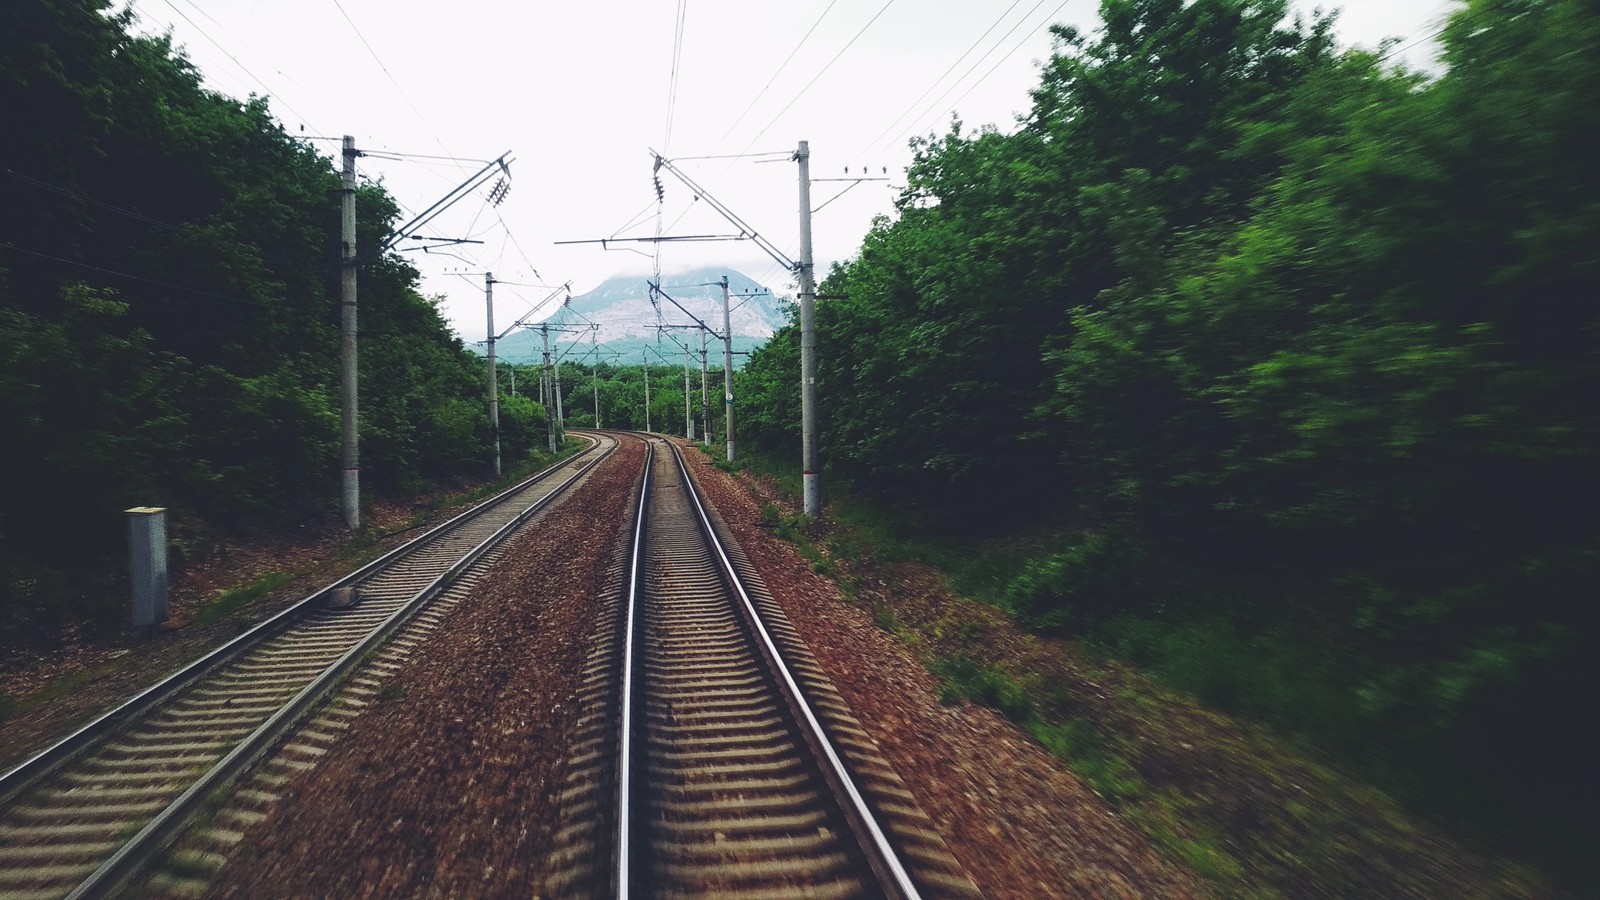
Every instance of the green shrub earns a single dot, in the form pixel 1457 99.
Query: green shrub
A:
pixel 1101 575
pixel 1076 741
pixel 963 679
pixel 233 599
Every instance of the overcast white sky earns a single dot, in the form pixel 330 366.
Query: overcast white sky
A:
pixel 580 91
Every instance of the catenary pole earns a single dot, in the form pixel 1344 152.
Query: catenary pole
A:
pixel 705 402
pixel 645 359
pixel 549 408
pixel 727 367
pixel 808 344
pixel 594 344
pixel 688 413
pixel 561 415
pixel 494 388
pixel 349 408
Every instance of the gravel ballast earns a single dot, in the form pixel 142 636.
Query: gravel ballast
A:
pixel 1016 817
pixel 449 788
pixel 444 789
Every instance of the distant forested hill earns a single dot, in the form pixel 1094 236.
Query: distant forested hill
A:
pixel 622 307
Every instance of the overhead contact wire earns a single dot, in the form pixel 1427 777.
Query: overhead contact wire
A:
pixel 784 65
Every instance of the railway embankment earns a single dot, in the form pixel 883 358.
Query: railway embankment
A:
pixel 1083 764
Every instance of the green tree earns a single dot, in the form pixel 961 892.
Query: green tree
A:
pixel 168 317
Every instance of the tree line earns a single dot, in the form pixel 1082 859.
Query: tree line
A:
pixel 1293 348
pixel 169 319
pixel 622 396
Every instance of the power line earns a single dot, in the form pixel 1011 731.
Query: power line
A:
pixel 568 309
pixel 463 277
pixel 501 253
pixel 45 185
pixel 450 157
pixel 166 284
pixel 748 298
pixel 1005 56
pixel 780 153
pixel 375 58
pixel 396 155
pixel 1466 16
pixel 677 57
pixel 531 267
pixel 819 74
pixel 745 151
pixel 637 218
pixel 785 64
pixel 410 157
pixel 234 37
pixel 999 62
pixel 478 215
pixel 242 66
pixel 935 83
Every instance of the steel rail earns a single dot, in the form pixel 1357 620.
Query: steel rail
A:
pixel 147 706
pixel 625 743
pixel 131 857
pixel 28 773
pixel 885 854
pixel 882 857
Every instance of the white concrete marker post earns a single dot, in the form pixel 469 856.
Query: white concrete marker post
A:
pixel 147 563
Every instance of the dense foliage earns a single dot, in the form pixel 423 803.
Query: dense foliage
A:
pixel 168 313
pixel 1299 351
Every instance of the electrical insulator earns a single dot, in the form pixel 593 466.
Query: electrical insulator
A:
pixel 499 192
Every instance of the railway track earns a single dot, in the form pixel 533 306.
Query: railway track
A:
pixel 736 770
pixel 87 815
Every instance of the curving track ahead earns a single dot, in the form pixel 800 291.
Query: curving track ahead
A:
pixel 88 814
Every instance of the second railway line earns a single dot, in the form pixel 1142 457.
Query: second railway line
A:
pixel 90 812
pixel 707 751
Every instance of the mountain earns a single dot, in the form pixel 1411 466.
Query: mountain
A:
pixel 622 308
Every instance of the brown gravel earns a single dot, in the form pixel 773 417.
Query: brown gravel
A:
pixel 448 790
pixel 1016 817
pixel 444 791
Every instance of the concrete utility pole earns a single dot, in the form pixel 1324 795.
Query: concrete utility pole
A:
pixel 561 416
pixel 349 411
pixel 594 344
pixel 688 415
pixel 645 359
pixel 705 402
pixel 727 367
pixel 549 408
pixel 808 344
pixel 494 388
